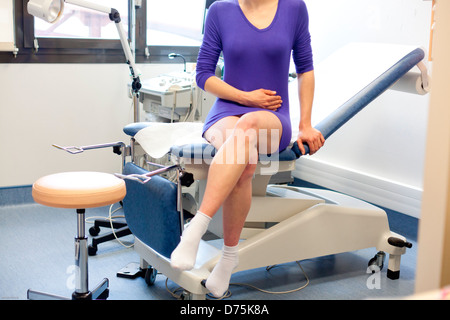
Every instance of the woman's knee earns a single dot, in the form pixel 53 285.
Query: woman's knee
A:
pixel 246 129
pixel 262 129
pixel 219 132
pixel 248 173
pixel 248 121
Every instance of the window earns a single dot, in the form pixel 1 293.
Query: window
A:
pixel 6 27
pixel 175 22
pixel 77 22
pixel 85 36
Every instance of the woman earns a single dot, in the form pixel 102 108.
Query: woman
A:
pixel 251 114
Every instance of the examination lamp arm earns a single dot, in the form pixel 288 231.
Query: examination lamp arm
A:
pixel 115 17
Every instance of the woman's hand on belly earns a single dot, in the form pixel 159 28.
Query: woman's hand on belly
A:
pixel 262 98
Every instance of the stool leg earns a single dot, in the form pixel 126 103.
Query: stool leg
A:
pixel 81 275
pixel 81 260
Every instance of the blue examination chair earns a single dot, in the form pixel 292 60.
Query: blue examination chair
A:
pixel 306 223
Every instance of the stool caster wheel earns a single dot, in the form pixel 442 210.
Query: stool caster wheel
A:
pixel 377 262
pixel 92 251
pixel 150 275
pixel 94 231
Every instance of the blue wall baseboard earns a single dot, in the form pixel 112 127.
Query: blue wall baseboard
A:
pixel 10 196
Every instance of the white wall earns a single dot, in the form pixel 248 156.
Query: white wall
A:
pixel 379 154
pixel 65 104
pixel 333 23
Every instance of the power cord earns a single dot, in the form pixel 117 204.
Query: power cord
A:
pixel 110 218
pixel 277 292
pixel 228 293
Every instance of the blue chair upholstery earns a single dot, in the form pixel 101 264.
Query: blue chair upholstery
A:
pixel 151 213
pixel 205 150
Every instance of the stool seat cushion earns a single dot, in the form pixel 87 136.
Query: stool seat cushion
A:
pixel 78 190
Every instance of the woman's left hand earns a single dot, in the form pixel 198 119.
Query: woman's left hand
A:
pixel 312 137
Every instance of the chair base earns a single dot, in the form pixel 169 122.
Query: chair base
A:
pixel 101 292
pixel 120 230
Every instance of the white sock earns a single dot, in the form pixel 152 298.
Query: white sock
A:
pixel 185 254
pixel 219 279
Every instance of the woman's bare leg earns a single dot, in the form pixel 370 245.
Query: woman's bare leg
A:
pixel 240 148
pixel 237 201
pixel 185 254
pixel 236 207
pixel 229 184
pixel 235 210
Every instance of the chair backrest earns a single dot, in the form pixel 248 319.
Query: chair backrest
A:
pixel 151 211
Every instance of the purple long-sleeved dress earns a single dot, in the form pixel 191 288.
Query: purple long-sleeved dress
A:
pixel 254 58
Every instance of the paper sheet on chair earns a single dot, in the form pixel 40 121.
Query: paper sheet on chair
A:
pixel 157 139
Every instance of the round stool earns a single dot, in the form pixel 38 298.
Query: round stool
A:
pixel 79 190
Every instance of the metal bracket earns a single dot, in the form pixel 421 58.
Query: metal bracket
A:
pixel 15 51
pixel 424 76
pixel 36 45
pixel 144 178
pixel 119 148
pixel 74 149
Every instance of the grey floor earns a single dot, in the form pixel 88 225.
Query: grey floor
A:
pixel 37 252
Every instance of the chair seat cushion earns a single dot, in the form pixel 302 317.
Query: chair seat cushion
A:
pixel 205 150
pixel 78 190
